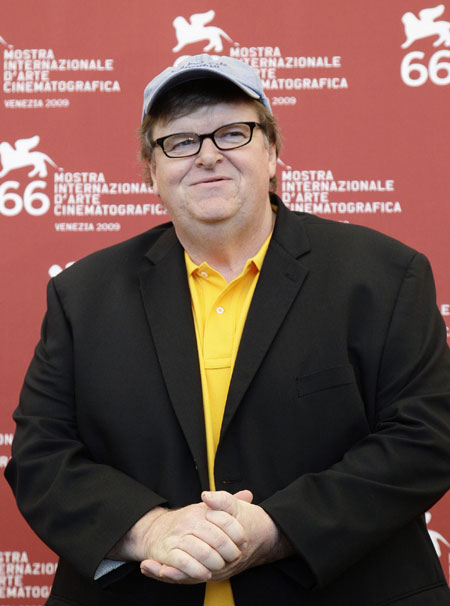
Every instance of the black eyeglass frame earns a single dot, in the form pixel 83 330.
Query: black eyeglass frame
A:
pixel 160 140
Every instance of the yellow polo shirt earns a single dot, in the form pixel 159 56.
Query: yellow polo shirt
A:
pixel 220 309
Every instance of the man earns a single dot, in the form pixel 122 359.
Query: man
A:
pixel 244 406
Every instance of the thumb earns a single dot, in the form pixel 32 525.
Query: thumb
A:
pixel 244 495
pixel 219 500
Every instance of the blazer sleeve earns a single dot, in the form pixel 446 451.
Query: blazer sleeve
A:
pixel 78 507
pixel 335 517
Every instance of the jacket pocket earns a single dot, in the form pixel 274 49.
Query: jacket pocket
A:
pixel 325 379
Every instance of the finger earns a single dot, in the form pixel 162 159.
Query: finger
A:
pixel 230 526
pixel 220 500
pixel 156 570
pixel 191 567
pixel 244 495
pixel 162 572
pixel 218 539
pixel 169 574
pixel 151 568
pixel 202 552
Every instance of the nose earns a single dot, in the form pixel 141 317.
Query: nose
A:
pixel 208 155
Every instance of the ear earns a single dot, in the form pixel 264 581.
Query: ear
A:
pixel 152 171
pixel 272 160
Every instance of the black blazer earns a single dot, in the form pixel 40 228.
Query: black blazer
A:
pixel 337 417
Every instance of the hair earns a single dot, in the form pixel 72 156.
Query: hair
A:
pixel 190 96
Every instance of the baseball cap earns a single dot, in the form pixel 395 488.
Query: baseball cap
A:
pixel 197 67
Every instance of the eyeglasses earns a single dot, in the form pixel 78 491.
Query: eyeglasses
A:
pixel 229 136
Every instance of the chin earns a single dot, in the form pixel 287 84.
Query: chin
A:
pixel 214 210
pixel 212 218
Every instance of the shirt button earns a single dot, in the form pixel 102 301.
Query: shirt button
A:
pixel 220 310
pixel 204 274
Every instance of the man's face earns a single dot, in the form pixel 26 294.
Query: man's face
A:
pixel 214 186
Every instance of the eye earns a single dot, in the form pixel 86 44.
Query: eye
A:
pixel 234 134
pixel 179 142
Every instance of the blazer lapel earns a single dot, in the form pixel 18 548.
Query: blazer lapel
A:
pixel 282 276
pixel 167 303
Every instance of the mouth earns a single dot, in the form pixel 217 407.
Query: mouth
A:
pixel 210 180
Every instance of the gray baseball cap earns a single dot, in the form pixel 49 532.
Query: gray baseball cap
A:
pixel 197 67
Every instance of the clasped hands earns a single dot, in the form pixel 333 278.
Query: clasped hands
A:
pixel 212 540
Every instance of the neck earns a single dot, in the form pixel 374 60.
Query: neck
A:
pixel 225 247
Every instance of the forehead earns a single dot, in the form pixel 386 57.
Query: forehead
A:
pixel 207 118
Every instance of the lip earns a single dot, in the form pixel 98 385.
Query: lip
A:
pixel 210 180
